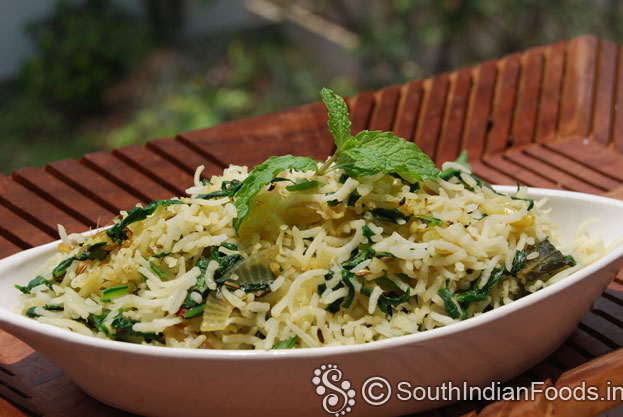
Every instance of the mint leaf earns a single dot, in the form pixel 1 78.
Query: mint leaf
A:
pixel 373 152
pixel 303 185
pixel 463 160
pixel 263 174
pixel 339 123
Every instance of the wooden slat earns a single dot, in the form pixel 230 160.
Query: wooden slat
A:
pixel 63 196
pixel 36 209
pixel 545 370
pixel 126 177
pixel 522 175
pixel 361 108
pixel 184 157
pixel 477 123
pixel 564 164
pixel 568 357
pixel 593 155
pixel 577 99
pixel 92 184
pixel 387 102
pixel 408 110
pixel 8 410
pixel 604 92
pixel 7 248
pixel 258 138
pixel 547 171
pixel 529 89
pixel 153 165
pixel 551 93
pixel 318 132
pixel 504 103
pixel 492 176
pixel 588 343
pixel 617 131
pixel 608 331
pixel 433 105
pixel 20 231
pixel 449 144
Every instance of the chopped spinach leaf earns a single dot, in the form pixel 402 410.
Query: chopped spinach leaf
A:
pixel 286 344
pixel 518 261
pixel 431 220
pixel 229 246
pixel 390 216
pixel 449 303
pixel 194 311
pixel 124 330
pixel 159 272
pixel 113 292
pixel 118 232
pixel 549 261
pixel 352 198
pixel 51 307
pixel 97 321
pixel 39 280
pixel 358 258
pixel 367 232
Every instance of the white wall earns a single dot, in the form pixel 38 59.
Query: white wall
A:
pixel 14 46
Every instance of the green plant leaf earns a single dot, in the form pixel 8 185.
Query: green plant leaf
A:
pixel 303 185
pixel 263 174
pixel 118 233
pixel 373 152
pixel 339 122
pixel 462 159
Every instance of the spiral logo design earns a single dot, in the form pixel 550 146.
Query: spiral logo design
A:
pixel 338 398
pixel 376 391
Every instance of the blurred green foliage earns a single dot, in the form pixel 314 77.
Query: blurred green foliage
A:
pixel 103 78
pixel 83 48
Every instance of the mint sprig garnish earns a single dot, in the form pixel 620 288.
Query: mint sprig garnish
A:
pixel 262 175
pixel 367 153
pixel 372 152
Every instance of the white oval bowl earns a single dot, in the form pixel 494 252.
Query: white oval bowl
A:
pixel 495 346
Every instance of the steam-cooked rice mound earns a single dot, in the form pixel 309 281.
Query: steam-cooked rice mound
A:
pixel 345 261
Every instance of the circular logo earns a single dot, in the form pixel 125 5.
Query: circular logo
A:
pixel 376 391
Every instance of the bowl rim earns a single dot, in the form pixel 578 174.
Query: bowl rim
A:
pixel 62 335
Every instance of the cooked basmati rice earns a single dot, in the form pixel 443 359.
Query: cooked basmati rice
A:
pixel 305 237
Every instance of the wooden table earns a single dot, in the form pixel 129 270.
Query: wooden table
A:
pixel 549 117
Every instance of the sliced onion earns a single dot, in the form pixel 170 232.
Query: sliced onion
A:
pixel 252 270
pixel 217 311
